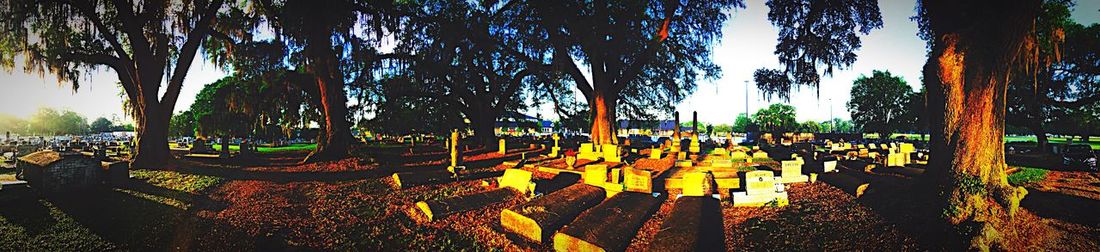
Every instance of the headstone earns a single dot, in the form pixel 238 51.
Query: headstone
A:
pixel 611 153
pixel 698 184
pixel 595 174
pixel 738 155
pixel 454 149
pixel 759 182
pixel 760 154
pixel 720 151
pixel 637 180
pixel 516 179
pixel 501 150
pixel 681 155
pixel 587 151
pixel 792 171
pixel 829 166
pixel 554 151
pixel 655 153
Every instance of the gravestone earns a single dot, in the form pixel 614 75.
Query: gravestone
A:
pixel 761 188
pixel 699 184
pixel 792 171
pixel 759 154
pixel 829 166
pixel 588 151
pixel 611 153
pixel 501 148
pixel 759 182
pixel 454 151
pixel 517 179
pixel 722 163
pixel 637 180
pixel 616 176
pixel 554 151
pixel 655 153
pixel 595 174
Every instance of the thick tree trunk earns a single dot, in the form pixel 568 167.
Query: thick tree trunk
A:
pixel 602 107
pixel 483 126
pixel 332 143
pixel 976 45
pixel 151 148
pixel 1040 137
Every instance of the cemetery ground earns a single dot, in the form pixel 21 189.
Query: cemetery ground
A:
pixel 274 203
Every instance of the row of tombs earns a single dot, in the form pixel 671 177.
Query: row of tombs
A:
pixel 589 199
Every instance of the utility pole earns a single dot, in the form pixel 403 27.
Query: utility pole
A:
pixel 746 98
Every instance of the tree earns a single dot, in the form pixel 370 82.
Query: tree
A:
pixel 975 48
pixel 12 124
pixel 463 62
pixel 141 41
pixel 101 125
pixel 741 124
pixel 813 34
pixel 641 55
pixel 182 125
pixel 917 111
pixel 335 43
pixel 809 127
pixel 880 103
pixel 214 112
pixel 52 122
pixel 776 118
pixel 1029 95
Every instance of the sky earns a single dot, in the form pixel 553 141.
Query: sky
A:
pixel 748 43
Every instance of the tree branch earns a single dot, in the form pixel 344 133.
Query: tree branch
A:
pixel 187 55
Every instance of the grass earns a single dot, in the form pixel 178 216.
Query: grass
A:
pixel 188 183
pixel 292 147
pixel 1094 142
pixel 1027 175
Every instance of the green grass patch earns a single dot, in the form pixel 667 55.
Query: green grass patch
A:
pixel 292 147
pixel 1027 175
pixel 189 183
pixel 1094 142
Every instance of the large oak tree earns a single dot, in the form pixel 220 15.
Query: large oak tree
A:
pixel 149 44
pixel 642 56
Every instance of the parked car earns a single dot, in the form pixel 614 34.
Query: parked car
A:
pixel 1079 155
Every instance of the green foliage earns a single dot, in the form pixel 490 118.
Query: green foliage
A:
pixel 881 103
pixel 776 118
pixel 15 125
pixel 214 112
pixel 1027 175
pixel 101 125
pixel 741 124
pixel 810 127
pixel 52 122
pixel 182 125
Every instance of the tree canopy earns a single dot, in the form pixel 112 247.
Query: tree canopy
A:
pixel 815 37
pixel 776 118
pixel 881 104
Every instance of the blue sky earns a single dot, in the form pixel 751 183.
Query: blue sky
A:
pixel 748 43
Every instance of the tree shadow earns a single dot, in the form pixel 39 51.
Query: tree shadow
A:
pixel 1063 207
pixel 23 208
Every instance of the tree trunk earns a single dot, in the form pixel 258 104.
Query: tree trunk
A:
pixel 332 143
pixel 151 148
pixel 976 45
pixel 602 106
pixel 483 125
pixel 1040 137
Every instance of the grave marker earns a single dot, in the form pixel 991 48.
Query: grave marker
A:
pixel 517 179
pixel 502 148
pixel 595 174
pixel 637 180
pixel 611 153
pixel 698 184
pixel 654 153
